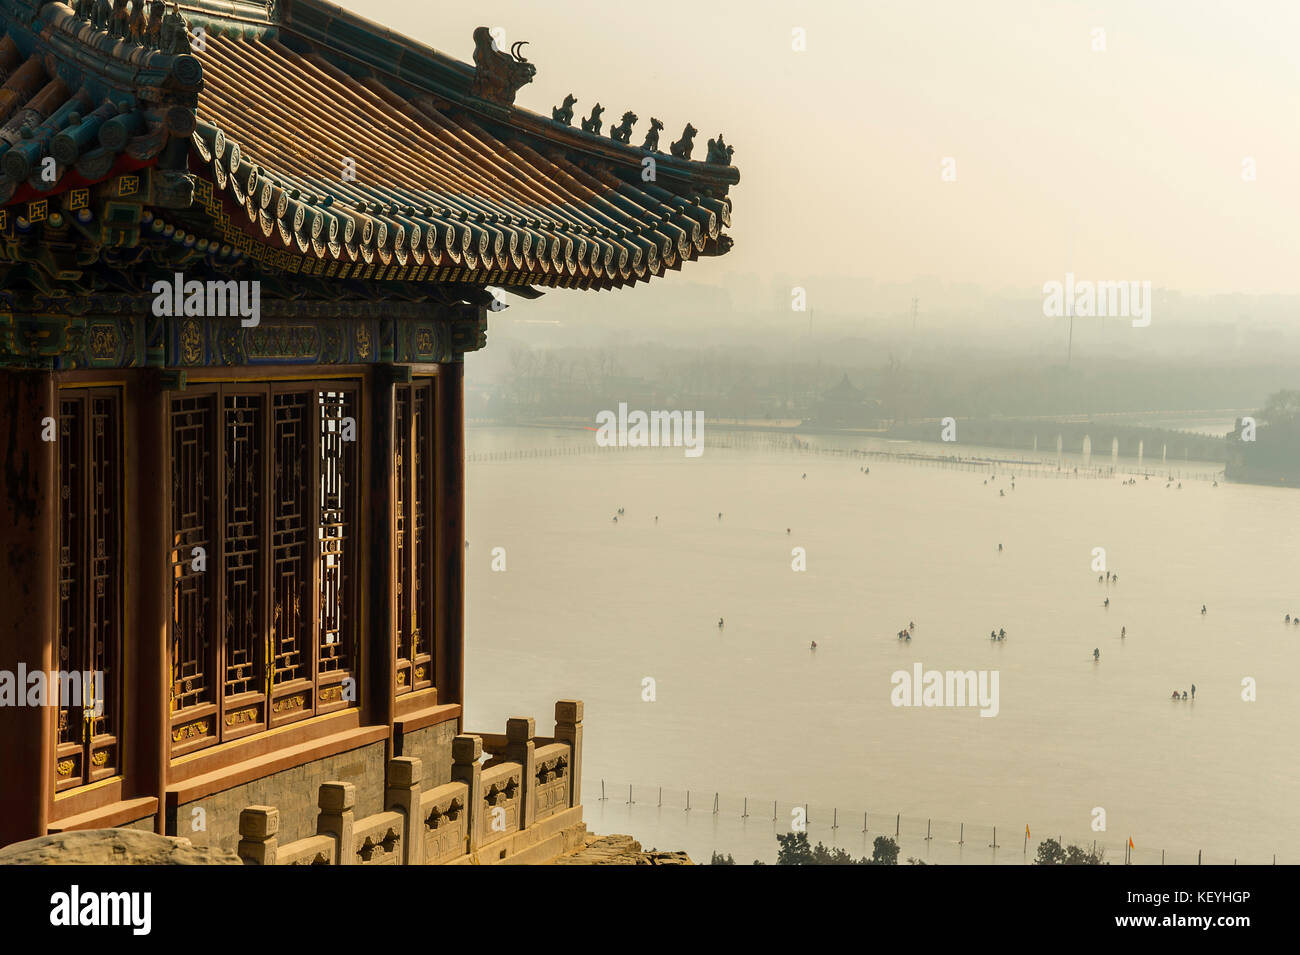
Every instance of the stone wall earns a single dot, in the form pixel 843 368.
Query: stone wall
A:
pixel 519 807
pixel 294 792
pixel 432 747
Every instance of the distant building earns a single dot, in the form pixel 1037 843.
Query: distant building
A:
pixel 845 406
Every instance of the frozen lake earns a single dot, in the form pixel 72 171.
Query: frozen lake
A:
pixel 590 608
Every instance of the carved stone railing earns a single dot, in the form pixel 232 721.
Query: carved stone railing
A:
pixel 445 817
pixel 379 839
pixel 550 786
pixel 314 850
pixel 526 780
pixel 259 845
pixel 502 802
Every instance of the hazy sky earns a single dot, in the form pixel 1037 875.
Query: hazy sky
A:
pixel 1122 164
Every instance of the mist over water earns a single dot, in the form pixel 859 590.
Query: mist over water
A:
pixel 589 607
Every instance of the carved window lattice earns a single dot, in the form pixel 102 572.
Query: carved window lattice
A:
pixel 291 510
pixel 280 605
pixel 422 555
pixel 71 556
pixel 414 559
pixel 337 508
pixel 242 553
pixel 192 528
pixel 105 494
pixel 89 597
pixel 401 523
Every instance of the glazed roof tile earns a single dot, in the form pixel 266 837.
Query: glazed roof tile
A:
pixel 331 139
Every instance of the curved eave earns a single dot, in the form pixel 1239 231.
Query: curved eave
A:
pixel 412 70
pixel 433 191
pixel 79 105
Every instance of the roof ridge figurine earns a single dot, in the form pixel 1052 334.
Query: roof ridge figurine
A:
pixel 720 152
pixel 497 75
pixel 682 148
pixel 622 133
pixel 173 37
pixel 564 114
pixel 592 123
pixel 652 137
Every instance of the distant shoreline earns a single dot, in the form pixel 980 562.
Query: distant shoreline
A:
pixel 973 454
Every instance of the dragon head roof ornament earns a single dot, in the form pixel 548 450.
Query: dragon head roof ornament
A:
pixel 498 75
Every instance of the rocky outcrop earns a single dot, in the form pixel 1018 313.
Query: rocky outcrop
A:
pixel 113 847
pixel 620 850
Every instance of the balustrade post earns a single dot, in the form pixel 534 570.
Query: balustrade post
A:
pixel 403 795
pixel 258 828
pixel 521 748
pixel 568 729
pixel 465 768
pixel 337 803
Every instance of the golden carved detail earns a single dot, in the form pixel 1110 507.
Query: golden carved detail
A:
pixel 247 715
pixel 295 702
pixel 191 343
pixel 189 731
pixel 65 767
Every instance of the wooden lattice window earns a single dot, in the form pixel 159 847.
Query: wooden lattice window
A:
pixel 88 668
pixel 413 534
pixel 336 533
pixel 280 564
pixel 194 585
pixel 244 562
pixel 291 567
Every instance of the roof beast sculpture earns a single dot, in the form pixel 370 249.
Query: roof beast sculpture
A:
pixel 497 75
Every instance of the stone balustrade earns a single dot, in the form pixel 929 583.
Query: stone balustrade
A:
pixel 523 803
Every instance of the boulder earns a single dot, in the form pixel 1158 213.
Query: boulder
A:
pixel 620 850
pixel 113 847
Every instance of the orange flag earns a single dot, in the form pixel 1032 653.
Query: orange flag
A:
pixel 1130 843
pixel 1027 830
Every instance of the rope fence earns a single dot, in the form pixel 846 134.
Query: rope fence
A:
pixel 746 826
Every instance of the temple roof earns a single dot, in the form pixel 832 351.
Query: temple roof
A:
pixel 297 137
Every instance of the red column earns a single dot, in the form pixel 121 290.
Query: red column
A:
pixel 451 532
pixel 378 664
pixel 28 568
pixel 148 471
